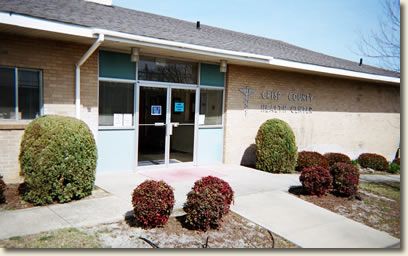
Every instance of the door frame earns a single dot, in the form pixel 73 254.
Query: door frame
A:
pixel 169 87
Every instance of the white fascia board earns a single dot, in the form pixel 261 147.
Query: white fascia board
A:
pixel 333 71
pixel 172 45
pixel 44 25
pixel 190 48
pixel 76 30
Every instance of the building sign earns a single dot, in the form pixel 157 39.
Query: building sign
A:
pixel 179 107
pixel 276 101
pixel 247 92
pixel 156 110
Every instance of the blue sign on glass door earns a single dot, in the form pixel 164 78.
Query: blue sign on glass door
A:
pixel 179 107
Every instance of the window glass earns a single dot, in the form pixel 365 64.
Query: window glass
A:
pixel 211 107
pixel 166 70
pixel 28 94
pixel 7 93
pixel 116 102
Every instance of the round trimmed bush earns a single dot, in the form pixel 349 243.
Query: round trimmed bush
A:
pixel 276 149
pixel 207 202
pixel 316 180
pixel 57 159
pixel 2 190
pixel 152 202
pixel 308 159
pixel 219 185
pixel 345 179
pixel 333 158
pixel 373 161
pixel 205 209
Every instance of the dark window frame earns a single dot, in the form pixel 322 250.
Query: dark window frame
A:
pixel 16 90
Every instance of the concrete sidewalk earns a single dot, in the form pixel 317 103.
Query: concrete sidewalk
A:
pixel 260 197
pixel 380 178
pixel 85 212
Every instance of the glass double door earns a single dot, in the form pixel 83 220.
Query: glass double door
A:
pixel 166 125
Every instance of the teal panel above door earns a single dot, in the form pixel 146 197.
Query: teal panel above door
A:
pixel 210 75
pixel 116 65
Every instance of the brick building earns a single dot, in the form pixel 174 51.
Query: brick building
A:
pixel 160 91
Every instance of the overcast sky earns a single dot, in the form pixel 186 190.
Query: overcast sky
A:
pixel 329 26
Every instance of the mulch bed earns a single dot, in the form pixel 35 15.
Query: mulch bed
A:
pixel 15 202
pixel 235 232
pixel 378 212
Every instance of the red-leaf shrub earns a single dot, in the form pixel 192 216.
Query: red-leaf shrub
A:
pixel 2 190
pixel 153 202
pixel 333 158
pixel 373 161
pixel 204 209
pixel 345 178
pixel 311 159
pixel 316 180
pixel 216 184
pixel 207 202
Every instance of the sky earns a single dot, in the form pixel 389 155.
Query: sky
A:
pixel 332 27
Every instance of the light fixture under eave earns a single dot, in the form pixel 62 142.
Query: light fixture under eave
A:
pixel 134 57
pixel 223 66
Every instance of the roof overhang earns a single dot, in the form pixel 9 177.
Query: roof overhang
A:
pixel 64 31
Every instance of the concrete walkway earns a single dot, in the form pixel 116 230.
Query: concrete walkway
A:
pixel 380 178
pixel 260 197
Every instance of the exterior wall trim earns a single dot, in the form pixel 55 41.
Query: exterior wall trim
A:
pixel 59 27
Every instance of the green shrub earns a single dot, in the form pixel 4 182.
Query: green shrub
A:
pixel 57 159
pixel 394 168
pixel 396 161
pixel 333 158
pixel 276 149
pixel 2 190
pixel 373 161
pixel 152 203
pixel 308 159
pixel 346 178
pixel 316 180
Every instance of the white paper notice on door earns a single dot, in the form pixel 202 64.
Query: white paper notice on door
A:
pixel 127 120
pixel 117 120
pixel 201 119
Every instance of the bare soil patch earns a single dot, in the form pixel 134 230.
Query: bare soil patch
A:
pixel 235 232
pixel 14 200
pixel 376 205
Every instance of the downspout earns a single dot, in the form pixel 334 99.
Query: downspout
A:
pixel 84 58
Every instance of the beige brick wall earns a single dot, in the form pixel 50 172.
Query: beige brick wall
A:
pixel 346 116
pixel 57 61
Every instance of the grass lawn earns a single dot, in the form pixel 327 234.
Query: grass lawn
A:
pixel 62 238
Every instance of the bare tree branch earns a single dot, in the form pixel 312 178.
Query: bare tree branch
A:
pixel 384 44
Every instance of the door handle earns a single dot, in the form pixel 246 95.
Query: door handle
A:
pixel 158 124
pixel 175 124
pixel 170 129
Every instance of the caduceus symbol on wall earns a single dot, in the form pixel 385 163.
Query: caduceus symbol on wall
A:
pixel 247 92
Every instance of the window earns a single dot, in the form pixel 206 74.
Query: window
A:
pixel 211 107
pixel 19 97
pixel 166 70
pixel 116 102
